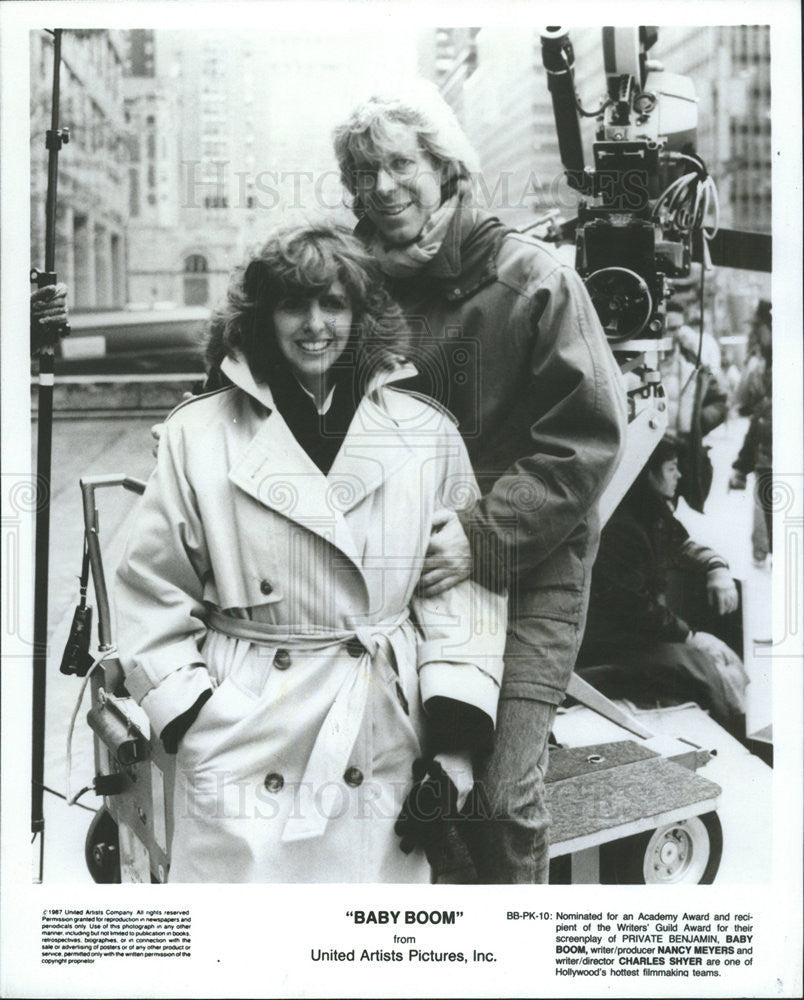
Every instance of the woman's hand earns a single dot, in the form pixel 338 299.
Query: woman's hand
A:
pixel 175 730
pixel 448 560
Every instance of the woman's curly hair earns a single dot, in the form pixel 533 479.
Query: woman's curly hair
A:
pixel 302 261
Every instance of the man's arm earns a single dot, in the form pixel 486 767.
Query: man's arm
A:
pixel 720 587
pixel 579 420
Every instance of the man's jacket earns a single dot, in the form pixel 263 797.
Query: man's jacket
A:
pixel 507 338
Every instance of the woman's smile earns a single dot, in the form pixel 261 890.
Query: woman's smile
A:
pixel 314 346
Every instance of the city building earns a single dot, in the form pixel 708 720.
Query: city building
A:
pixel 187 147
pixel 92 182
pixel 230 135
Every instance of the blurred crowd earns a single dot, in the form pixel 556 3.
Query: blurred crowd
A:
pixel 702 389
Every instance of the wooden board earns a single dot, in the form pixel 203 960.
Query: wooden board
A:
pixel 595 807
pixel 569 762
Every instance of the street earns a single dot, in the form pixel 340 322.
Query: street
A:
pixel 84 447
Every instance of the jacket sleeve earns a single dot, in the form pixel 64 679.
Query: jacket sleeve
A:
pixel 688 554
pixel 463 629
pixel 621 594
pixel 158 596
pixel 579 418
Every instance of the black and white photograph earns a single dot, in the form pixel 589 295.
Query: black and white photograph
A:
pixel 394 514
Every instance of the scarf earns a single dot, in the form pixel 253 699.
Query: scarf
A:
pixel 402 262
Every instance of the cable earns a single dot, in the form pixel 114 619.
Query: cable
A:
pixel 578 106
pixel 591 114
pixel 79 804
pixel 701 306
pixel 690 199
pixel 71 799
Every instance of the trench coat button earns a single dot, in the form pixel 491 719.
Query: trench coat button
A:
pixel 274 782
pixel 353 776
pixel 355 648
pixel 266 588
pixel 282 659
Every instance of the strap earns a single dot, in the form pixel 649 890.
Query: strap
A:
pixel 84 578
pixel 311 636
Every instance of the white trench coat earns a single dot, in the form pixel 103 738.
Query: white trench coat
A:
pixel 291 593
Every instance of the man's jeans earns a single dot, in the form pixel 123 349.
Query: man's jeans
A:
pixel 507 838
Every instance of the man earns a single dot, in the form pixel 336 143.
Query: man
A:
pixel 509 341
pixel 635 645
pixel 696 404
pixel 754 399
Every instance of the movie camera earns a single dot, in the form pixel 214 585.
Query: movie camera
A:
pixel 648 198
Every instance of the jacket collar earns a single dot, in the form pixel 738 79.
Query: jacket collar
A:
pixel 277 472
pixel 238 372
pixel 466 259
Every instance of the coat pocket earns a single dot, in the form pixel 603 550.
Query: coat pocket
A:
pixel 243 664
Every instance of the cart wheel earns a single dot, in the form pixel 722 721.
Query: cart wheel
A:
pixel 101 849
pixel 685 852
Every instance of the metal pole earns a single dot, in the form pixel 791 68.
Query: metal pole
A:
pixel 53 142
pixel 559 63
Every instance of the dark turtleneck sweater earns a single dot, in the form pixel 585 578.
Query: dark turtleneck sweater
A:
pixel 321 435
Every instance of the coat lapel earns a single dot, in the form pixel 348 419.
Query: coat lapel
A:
pixel 277 472
pixel 374 449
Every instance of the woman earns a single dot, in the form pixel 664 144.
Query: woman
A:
pixel 267 614
pixel 635 646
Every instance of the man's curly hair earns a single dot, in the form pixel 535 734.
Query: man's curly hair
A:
pixel 302 262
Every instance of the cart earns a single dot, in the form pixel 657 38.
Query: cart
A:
pixel 631 811
pixel 129 837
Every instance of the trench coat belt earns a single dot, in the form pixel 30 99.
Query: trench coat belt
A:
pixel 319 792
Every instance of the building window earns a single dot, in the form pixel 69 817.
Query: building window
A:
pixel 196 263
pixel 196 280
pixel 133 192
